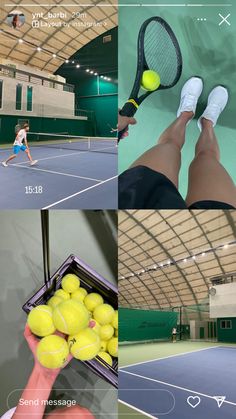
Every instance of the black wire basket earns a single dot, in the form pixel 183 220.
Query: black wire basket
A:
pixel 92 282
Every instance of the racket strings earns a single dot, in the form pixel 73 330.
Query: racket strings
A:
pixel 161 53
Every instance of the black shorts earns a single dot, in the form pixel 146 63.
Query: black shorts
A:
pixel 143 188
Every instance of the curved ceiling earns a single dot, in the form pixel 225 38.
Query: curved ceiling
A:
pixel 94 19
pixel 168 258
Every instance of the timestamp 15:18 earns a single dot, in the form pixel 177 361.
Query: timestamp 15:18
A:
pixel 33 189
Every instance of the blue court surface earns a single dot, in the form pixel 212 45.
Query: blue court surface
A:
pixel 62 178
pixel 184 386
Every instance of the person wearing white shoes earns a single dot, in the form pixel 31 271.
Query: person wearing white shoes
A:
pixel 21 136
pixel 152 180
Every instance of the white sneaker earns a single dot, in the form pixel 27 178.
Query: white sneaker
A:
pixel 217 101
pixel 190 93
pixel 33 162
pixel 4 164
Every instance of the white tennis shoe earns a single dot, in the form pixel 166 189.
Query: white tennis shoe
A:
pixel 33 162
pixel 217 101
pixel 190 93
pixel 4 164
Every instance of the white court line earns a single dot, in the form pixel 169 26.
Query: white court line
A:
pixel 56 157
pixel 80 192
pixel 178 387
pixel 70 154
pixel 169 356
pixel 137 410
pixel 57 173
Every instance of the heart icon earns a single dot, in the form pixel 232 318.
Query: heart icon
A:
pixel 193 401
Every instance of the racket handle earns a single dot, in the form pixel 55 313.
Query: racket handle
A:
pixel 121 133
pixel 128 110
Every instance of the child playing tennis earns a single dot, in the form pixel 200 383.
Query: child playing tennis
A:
pixel 18 145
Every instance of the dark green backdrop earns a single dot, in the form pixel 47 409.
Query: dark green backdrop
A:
pixel 138 325
pixel 91 92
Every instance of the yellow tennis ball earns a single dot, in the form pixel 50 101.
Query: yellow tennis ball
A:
pixel 112 347
pixel 54 301
pixel 104 314
pixel 103 346
pixel 40 321
pixel 94 325
pixel 62 294
pixel 84 345
pixel 70 317
pixel 52 351
pixel 70 283
pixel 106 357
pixel 114 322
pixel 93 300
pixel 150 80
pixel 106 332
pixel 79 294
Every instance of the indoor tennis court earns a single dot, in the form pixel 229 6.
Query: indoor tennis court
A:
pixel 207 45
pixel 177 317
pixel 58 74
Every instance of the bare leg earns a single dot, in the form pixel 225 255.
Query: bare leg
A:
pixel 208 180
pixel 28 154
pixel 13 156
pixel 165 157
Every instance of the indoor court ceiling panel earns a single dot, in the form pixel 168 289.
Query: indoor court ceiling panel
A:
pixel 168 258
pixel 62 41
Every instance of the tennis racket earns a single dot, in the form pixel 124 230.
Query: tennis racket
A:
pixel 159 51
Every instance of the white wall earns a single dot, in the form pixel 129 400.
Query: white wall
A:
pixel 223 304
pixel 46 101
pixel 195 326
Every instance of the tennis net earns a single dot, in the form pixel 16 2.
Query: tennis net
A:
pixel 73 142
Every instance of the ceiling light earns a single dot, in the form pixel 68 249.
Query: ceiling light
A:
pixel 91 72
pixel 95 74
pixel 20 41
pixel 67 61
pixel 39 49
pixel 102 77
pixel 77 66
pixel 185 260
pixel 54 55
pixel 87 70
pixel 203 253
pixel 194 257
pixel 226 246
pixel 73 62
pixel 108 79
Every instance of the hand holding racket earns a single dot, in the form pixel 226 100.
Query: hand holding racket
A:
pixel 159 64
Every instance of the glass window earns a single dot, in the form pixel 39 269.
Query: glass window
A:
pixel 226 324
pixel 18 97
pixel 29 98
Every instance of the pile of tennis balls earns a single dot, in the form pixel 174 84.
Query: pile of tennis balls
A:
pixel 91 326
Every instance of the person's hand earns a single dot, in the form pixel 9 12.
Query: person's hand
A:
pixel 124 122
pixel 33 343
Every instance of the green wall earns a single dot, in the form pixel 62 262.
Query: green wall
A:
pixel 39 124
pixel 227 335
pixel 92 92
pixel 138 325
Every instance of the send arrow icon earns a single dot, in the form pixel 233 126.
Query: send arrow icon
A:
pixel 220 400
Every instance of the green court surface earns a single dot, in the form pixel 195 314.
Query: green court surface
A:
pixel 208 50
pixel 136 353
